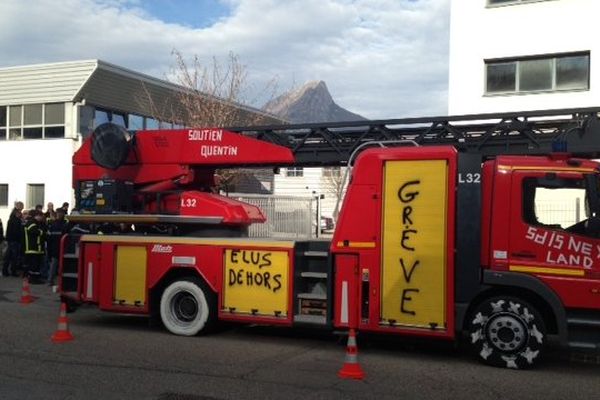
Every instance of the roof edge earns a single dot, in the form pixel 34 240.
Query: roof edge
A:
pixel 52 64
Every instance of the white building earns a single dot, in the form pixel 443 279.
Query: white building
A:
pixel 517 55
pixel 525 55
pixel 319 182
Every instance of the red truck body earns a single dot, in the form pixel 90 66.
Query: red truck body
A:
pixel 430 241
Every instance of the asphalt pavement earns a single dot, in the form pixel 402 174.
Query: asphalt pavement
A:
pixel 122 357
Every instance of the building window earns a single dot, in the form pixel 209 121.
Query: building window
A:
pixel 3 115
pixel 35 195
pixel 102 116
pixel 15 130
pixel 136 122
pixel 294 171
pixel 538 74
pixel 151 124
pixel 86 120
pixel 133 122
pixel 54 121
pixel 3 195
pixel 33 121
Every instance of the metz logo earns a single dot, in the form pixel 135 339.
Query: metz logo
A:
pixel 159 248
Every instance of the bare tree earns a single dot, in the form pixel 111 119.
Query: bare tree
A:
pixel 334 184
pixel 214 95
pixel 218 94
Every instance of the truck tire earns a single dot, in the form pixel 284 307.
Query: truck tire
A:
pixel 187 307
pixel 507 332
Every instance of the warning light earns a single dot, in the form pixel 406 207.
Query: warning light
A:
pixel 559 146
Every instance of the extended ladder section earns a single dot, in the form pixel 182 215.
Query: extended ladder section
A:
pixel 535 132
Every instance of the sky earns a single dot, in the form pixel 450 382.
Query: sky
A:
pixel 379 58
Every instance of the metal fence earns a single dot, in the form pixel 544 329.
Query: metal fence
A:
pixel 296 217
pixel 287 216
pixel 563 213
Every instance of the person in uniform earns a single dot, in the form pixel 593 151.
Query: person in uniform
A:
pixel 35 242
pixel 56 230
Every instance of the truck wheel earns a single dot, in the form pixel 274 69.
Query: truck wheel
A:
pixel 186 307
pixel 507 332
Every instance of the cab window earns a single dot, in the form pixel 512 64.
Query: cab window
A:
pixel 556 203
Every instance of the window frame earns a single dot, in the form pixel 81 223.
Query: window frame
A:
pixel 294 172
pixel 517 60
pixel 489 3
pixel 132 121
pixel 2 186
pixel 28 200
pixel 4 126
pixel 22 126
pixel 534 213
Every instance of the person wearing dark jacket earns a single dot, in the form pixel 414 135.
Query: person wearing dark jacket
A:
pixel 1 239
pixel 34 245
pixel 14 238
pixel 57 228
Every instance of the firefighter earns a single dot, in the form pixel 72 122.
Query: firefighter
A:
pixel 56 230
pixel 2 250
pixel 50 214
pixel 34 245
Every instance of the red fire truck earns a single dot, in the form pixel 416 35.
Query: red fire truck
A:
pixel 444 231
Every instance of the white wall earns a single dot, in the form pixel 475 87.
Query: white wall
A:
pixel 312 180
pixel 478 32
pixel 36 161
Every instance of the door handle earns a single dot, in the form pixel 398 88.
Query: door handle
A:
pixel 523 254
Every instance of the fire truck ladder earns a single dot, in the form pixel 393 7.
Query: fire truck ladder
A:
pixel 531 132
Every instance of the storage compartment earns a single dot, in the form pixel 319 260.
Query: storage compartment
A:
pixel 312 289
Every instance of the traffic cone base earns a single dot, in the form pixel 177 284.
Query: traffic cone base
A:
pixel 62 336
pixel 352 371
pixel 351 368
pixel 26 297
pixel 62 333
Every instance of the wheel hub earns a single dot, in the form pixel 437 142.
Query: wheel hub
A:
pixel 185 306
pixel 507 332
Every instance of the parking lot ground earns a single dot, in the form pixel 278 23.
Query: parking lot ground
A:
pixel 122 357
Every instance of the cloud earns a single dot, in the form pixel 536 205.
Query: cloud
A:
pixel 380 58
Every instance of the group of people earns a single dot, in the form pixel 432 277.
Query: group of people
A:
pixel 33 239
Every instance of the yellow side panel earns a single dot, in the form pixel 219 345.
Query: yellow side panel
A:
pixel 413 287
pixel 130 275
pixel 256 282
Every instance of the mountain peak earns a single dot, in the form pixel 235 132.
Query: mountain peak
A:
pixel 311 102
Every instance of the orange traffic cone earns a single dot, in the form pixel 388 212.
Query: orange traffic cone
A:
pixel 26 297
pixel 62 333
pixel 351 368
